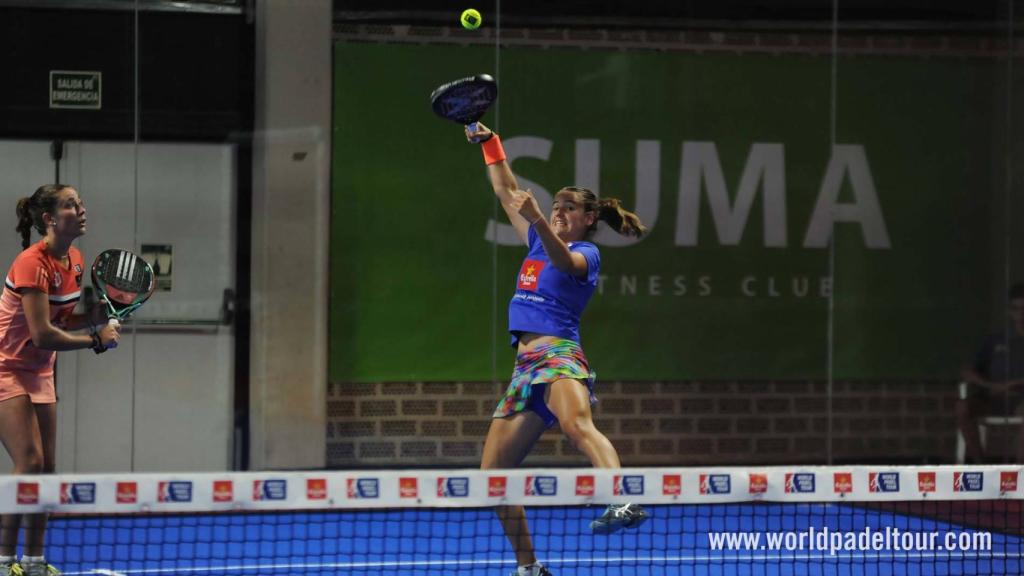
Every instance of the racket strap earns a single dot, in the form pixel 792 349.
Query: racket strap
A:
pixel 493 151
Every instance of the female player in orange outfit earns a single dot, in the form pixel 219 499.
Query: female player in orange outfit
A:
pixel 41 290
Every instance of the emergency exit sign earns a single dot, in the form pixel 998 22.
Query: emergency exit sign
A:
pixel 76 89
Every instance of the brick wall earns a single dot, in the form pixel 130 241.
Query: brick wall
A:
pixel 654 423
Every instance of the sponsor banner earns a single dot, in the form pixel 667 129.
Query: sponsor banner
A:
pixel 127 492
pixel 968 481
pixel 78 493
pixel 223 491
pixel 408 487
pixel 363 488
pixel 799 483
pixel 671 485
pixel 270 490
pixel 585 485
pixel 842 482
pixel 628 485
pixel 475 488
pixel 497 486
pixel 715 484
pixel 179 491
pixel 1008 481
pixel 316 488
pixel 541 486
pixel 453 487
pixel 883 481
pixel 757 483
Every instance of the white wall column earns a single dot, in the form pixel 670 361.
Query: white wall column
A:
pixel 291 208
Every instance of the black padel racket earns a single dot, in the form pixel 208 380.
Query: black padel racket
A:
pixel 124 280
pixel 465 100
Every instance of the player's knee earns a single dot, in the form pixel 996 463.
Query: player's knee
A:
pixel 578 429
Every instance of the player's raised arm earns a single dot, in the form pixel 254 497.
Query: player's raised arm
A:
pixel 502 178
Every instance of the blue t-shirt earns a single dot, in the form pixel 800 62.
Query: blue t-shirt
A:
pixel 548 301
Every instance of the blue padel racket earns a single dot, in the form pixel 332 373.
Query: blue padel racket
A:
pixel 465 100
pixel 125 281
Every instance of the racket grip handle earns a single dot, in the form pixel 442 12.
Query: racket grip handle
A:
pixel 472 127
pixel 115 323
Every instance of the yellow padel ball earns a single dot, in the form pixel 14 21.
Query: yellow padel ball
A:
pixel 471 19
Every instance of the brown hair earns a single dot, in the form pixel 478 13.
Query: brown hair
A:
pixel 31 209
pixel 609 210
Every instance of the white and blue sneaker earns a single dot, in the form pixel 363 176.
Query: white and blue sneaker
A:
pixel 535 569
pixel 616 518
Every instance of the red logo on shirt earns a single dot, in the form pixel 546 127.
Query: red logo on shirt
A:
pixel 529 274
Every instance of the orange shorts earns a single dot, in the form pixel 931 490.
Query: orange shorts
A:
pixel 38 387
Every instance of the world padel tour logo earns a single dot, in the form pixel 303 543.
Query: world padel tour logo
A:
pixel 585 485
pixel 541 486
pixel 223 490
pixel 363 488
pixel 715 484
pixel 28 493
pixel 628 486
pixel 275 489
pixel 926 481
pixel 1007 481
pixel 127 492
pixel 968 481
pixel 178 491
pixel 316 488
pixel 77 492
pixel 410 488
pixel 453 487
pixel 842 483
pixel 529 274
pixel 671 485
pixel 496 486
pixel 883 481
pixel 799 483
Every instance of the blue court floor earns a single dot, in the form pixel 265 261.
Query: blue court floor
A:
pixel 438 542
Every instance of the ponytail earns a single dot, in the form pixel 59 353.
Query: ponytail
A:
pixel 623 221
pixel 610 211
pixel 31 209
pixel 24 221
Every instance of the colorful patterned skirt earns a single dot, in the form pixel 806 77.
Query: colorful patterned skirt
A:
pixel 535 369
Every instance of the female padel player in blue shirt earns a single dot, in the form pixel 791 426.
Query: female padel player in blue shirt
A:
pixel 552 381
